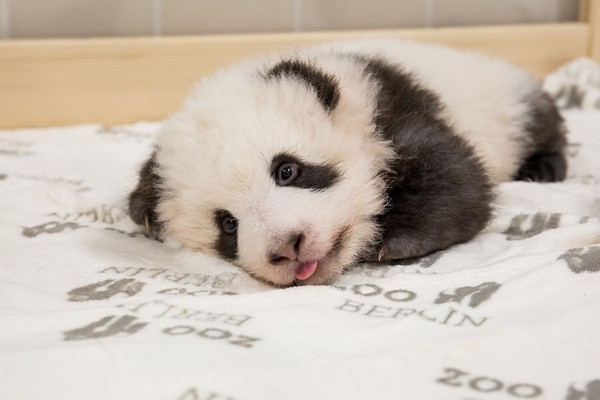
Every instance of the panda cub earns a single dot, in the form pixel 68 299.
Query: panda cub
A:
pixel 295 166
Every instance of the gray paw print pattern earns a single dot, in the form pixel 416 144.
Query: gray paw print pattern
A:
pixel 591 391
pixel 538 223
pixel 583 260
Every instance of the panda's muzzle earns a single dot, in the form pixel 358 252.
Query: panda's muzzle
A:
pixel 287 254
pixel 288 250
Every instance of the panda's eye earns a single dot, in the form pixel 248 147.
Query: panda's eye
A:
pixel 230 225
pixel 287 173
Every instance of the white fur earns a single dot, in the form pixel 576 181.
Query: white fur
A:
pixel 216 152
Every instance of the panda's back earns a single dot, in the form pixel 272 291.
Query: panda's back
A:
pixel 485 100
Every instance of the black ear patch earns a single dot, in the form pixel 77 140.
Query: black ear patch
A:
pixel 144 199
pixel 325 85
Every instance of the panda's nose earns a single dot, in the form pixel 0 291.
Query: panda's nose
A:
pixel 288 250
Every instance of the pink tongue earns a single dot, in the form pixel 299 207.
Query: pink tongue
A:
pixel 305 270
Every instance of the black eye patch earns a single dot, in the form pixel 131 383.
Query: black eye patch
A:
pixel 287 170
pixel 226 244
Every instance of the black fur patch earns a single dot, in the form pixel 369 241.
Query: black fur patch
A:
pixel 400 98
pixel 439 193
pixel 226 245
pixel 547 161
pixel 324 85
pixel 310 176
pixel 144 199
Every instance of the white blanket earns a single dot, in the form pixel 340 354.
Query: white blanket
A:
pixel 92 309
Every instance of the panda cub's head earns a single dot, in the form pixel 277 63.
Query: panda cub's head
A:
pixel 273 165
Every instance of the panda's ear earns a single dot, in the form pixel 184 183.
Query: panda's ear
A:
pixel 145 197
pixel 325 86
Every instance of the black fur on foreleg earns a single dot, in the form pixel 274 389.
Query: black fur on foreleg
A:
pixel 439 193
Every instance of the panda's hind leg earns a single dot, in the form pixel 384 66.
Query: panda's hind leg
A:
pixel 543 167
pixel 546 161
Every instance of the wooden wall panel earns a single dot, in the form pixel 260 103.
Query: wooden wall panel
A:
pixel 112 81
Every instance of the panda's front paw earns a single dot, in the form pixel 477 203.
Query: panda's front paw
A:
pixel 404 246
